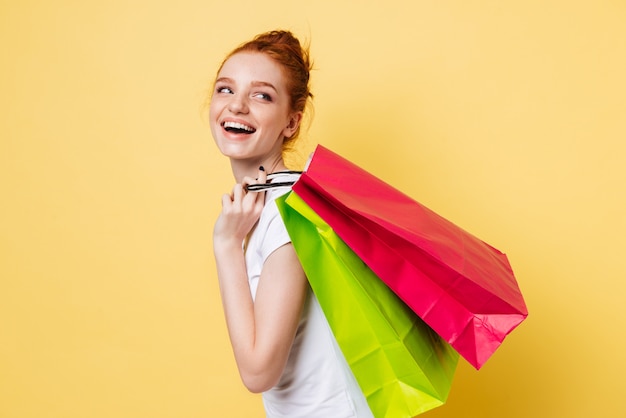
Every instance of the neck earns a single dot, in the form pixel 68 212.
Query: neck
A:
pixel 250 168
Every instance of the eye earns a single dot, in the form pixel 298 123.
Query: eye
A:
pixel 223 89
pixel 263 96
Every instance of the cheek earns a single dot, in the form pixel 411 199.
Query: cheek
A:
pixel 212 110
pixel 212 115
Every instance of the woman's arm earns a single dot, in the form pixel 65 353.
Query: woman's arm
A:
pixel 261 332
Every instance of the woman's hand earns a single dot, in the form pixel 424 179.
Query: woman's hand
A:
pixel 240 212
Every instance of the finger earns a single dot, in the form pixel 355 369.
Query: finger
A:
pixel 238 193
pixel 248 181
pixel 262 178
pixel 256 200
pixel 249 199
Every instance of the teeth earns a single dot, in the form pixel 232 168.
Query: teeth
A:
pixel 237 125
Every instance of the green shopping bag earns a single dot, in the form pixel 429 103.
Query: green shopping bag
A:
pixel 402 367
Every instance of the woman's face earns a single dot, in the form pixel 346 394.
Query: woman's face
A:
pixel 249 112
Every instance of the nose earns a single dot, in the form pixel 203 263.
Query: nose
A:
pixel 238 104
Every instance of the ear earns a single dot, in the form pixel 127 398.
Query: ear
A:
pixel 293 122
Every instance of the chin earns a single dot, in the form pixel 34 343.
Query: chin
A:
pixel 235 153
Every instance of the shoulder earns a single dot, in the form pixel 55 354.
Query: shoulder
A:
pixel 270 211
pixel 270 232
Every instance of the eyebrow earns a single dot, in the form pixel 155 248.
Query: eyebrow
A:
pixel 254 83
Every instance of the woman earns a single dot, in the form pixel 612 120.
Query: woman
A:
pixel 282 343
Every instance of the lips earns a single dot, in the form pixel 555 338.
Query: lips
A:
pixel 237 127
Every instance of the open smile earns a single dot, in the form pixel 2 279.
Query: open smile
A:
pixel 237 128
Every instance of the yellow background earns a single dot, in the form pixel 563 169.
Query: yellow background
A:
pixel 508 118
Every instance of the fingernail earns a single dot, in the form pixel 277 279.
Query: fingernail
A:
pixel 262 168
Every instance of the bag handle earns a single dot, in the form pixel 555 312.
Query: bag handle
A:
pixel 270 185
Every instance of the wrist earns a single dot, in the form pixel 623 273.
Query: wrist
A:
pixel 227 246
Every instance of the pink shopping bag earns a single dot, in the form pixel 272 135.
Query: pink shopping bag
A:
pixel 463 288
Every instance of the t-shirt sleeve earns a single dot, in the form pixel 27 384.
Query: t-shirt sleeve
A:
pixel 276 235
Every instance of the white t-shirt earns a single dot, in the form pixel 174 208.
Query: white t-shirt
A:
pixel 317 381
